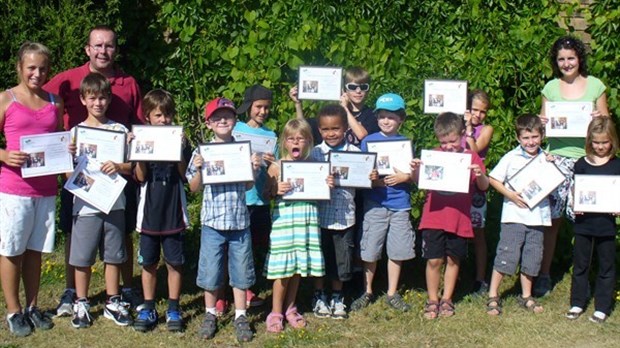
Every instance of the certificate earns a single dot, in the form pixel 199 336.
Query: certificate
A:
pixel 307 179
pixel 352 169
pixel 47 154
pixel 568 119
pixel 260 143
pixel 597 193
pixel 392 154
pixel 444 171
pixel 94 187
pixel 156 143
pixel 101 144
pixel 536 180
pixel 445 96
pixel 226 163
pixel 319 83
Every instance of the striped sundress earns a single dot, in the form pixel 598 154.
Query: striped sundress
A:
pixel 295 241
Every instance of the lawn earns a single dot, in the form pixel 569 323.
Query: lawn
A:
pixel 376 326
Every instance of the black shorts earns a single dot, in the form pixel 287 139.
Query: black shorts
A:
pixel 437 244
pixel 260 226
pixel 337 246
pixel 150 247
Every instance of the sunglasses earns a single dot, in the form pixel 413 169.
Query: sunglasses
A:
pixel 354 86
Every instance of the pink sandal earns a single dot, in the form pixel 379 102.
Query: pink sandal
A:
pixel 275 322
pixel 294 319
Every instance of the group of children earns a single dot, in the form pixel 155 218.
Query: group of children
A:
pixel 296 239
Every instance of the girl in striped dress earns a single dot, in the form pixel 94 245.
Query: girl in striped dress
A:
pixel 295 247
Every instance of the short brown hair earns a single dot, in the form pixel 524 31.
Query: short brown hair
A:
pixel 95 83
pixel 356 75
pixel 530 123
pixel 158 98
pixel 448 122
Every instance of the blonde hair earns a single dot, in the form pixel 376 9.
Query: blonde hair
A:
pixel 31 47
pixel 602 125
pixel 293 127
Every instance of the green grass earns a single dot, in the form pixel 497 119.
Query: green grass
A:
pixel 376 326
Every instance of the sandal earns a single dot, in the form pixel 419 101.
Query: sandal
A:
pixel 274 322
pixel 494 306
pixel 431 310
pixel 446 308
pixel 530 304
pixel 294 319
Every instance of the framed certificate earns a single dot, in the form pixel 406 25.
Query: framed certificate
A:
pixel 101 144
pixel 352 169
pixel 536 180
pixel 48 154
pixel 568 119
pixel 94 187
pixel 444 171
pixel 156 143
pixel 260 143
pixel 319 83
pixel 392 154
pixel 445 96
pixel 597 193
pixel 226 163
pixel 308 180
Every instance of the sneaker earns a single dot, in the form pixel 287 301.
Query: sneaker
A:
pixel 598 317
pixel 252 300
pixel 320 308
pixel 116 310
pixel 146 320
pixel 362 302
pixel 481 289
pixel 81 317
pixel 18 325
pixel 65 307
pixel 221 307
pixel 542 287
pixel 208 327
pixel 396 301
pixel 339 310
pixel 37 319
pixel 242 329
pixel 132 297
pixel 174 320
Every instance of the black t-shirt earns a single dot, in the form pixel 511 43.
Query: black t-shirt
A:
pixel 366 117
pixel 596 224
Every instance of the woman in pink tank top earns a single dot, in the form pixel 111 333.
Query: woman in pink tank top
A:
pixel 27 206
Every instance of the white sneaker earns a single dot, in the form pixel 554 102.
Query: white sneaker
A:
pixel 116 310
pixel 339 310
pixel 320 307
pixel 65 307
pixel 81 317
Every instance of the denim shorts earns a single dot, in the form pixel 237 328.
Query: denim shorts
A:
pixel 213 246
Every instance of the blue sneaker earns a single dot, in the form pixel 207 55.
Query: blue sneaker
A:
pixel 174 320
pixel 146 320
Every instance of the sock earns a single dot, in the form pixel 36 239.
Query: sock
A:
pixel 173 305
pixel 240 312
pixel 125 289
pixel 112 298
pixel 211 310
pixel 336 294
pixel 82 299
pixel 149 304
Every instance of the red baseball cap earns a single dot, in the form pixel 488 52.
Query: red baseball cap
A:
pixel 218 104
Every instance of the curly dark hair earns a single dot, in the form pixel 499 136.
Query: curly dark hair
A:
pixel 569 43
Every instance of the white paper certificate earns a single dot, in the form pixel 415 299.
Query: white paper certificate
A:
pixel 536 180
pixel 392 154
pixel 352 169
pixel 568 119
pixel 226 163
pixel 94 187
pixel 597 193
pixel 47 154
pixel 156 143
pixel 445 96
pixel 319 83
pixel 444 171
pixel 307 179
pixel 101 144
pixel 260 144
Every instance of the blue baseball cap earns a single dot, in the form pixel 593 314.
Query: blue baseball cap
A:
pixel 390 102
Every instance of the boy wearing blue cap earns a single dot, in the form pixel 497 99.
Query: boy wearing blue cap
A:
pixel 386 212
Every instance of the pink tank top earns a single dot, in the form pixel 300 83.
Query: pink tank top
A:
pixel 20 120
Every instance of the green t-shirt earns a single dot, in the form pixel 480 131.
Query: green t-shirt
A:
pixel 571 147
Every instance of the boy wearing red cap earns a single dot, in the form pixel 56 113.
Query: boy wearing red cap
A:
pixel 225 227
